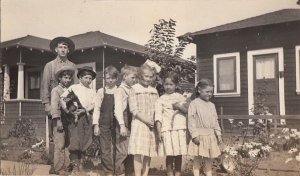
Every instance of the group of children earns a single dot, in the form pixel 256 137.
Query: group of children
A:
pixel 133 122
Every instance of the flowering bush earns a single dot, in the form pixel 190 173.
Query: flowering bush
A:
pixel 242 157
pixel 287 140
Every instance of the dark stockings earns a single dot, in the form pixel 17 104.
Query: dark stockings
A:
pixel 173 164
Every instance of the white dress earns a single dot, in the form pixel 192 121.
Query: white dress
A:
pixel 202 122
pixel 173 125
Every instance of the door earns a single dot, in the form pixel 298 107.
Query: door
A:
pixel 266 85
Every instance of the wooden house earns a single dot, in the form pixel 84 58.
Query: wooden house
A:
pixel 251 56
pixel 24 58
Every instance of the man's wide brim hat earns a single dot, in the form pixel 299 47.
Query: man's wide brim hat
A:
pixel 64 68
pixel 88 69
pixel 56 40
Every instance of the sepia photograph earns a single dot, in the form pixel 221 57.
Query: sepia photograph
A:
pixel 150 87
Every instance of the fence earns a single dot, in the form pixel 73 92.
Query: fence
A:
pixel 292 121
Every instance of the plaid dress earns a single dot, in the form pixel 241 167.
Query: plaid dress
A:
pixel 142 139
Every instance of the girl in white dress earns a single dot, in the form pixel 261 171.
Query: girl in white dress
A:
pixel 204 128
pixel 170 110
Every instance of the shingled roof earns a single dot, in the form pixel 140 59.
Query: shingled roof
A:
pixel 277 17
pixel 29 41
pixel 98 39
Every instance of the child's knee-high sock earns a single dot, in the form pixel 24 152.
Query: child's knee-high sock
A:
pixel 138 164
pixel 208 166
pixel 178 163
pixel 196 166
pixel 169 165
pixel 146 165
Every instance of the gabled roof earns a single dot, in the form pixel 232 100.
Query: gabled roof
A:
pixel 98 39
pixel 29 41
pixel 277 17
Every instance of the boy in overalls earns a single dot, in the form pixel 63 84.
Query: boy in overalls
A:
pixel 103 119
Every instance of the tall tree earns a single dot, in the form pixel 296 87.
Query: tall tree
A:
pixel 166 50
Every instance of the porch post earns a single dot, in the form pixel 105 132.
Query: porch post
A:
pixel 6 91
pixel 20 94
pixel 103 67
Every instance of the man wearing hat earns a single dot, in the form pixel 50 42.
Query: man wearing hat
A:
pixel 62 47
pixel 64 77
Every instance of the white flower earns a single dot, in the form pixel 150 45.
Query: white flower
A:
pixel 284 130
pixel 293 135
pixel 233 152
pixel 231 120
pixel 293 150
pixel 266 148
pixel 253 153
pixel 248 145
pixel 260 121
pixel 293 130
pixel 272 135
pixel 287 137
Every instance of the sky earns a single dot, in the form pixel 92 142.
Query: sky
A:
pixel 127 19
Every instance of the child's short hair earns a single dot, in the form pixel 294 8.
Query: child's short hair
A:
pixel 203 83
pixel 127 69
pixel 84 73
pixel 111 71
pixel 173 76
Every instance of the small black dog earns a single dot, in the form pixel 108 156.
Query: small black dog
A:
pixel 73 104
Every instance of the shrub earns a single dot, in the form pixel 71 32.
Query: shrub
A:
pixel 22 128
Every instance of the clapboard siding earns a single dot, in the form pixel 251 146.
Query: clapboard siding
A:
pixel 264 37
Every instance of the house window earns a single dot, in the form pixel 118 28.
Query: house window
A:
pixel 298 69
pixel 34 80
pixel 227 74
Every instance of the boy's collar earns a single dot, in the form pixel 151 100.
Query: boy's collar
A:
pixel 125 85
pixel 64 87
pixel 84 85
pixel 111 88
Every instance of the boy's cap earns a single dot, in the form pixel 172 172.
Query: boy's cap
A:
pixel 56 40
pixel 153 65
pixel 88 69
pixel 62 69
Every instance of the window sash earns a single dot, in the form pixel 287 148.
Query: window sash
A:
pixel 226 83
pixel 34 80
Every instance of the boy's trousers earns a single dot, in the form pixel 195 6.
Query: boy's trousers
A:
pixel 123 161
pixel 61 153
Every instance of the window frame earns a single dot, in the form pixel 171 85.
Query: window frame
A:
pixel 27 80
pixel 297 54
pixel 237 81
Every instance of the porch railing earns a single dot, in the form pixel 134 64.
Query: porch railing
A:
pixel 26 107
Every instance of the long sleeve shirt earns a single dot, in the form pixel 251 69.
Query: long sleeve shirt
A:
pixel 170 119
pixel 202 118
pixel 48 80
pixel 55 100
pixel 84 94
pixel 98 102
pixel 121 101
